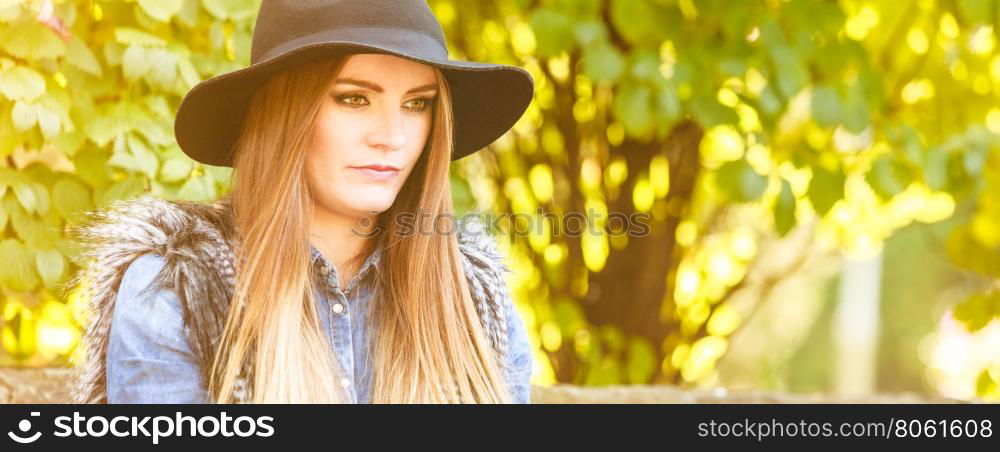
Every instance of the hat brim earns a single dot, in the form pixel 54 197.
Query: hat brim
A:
pixel 487 98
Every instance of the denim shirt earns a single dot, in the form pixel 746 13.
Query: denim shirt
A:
pixel 149 360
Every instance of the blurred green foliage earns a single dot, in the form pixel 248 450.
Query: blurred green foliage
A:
pixel 730 124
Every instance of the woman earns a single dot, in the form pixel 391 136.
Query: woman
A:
pixel 340 134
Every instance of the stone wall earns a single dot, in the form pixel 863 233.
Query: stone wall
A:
pixel 49 385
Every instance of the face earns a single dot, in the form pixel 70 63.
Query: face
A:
pixel 370 131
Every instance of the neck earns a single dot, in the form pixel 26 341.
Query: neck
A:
pixel 340 239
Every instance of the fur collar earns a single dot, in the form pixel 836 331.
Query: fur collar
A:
pixel 198 244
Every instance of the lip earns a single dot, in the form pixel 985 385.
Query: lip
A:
pixel 377 171
pixel 379 167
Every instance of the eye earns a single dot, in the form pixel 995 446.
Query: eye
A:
pixel 352 100
pixel 423 104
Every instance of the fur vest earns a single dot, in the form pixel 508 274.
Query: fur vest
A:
pixel 199 247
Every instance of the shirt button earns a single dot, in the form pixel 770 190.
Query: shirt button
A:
pixel 345 382
pixel 338 308
pixel 324 270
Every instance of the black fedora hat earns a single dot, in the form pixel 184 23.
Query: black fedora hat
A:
pixel 487 98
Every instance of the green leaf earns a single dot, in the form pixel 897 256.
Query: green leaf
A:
pixel 710 113
pixel 197 189
pixel 857 116
pixel 978 311
pixel 113 53
pixel 784 210
pixel 10 135
pixel 589 31
pixel 145 158
pixel 80 56
pixel 135 62
pixel 123 189
pixel 48 121
pixel 21 83
pixel 791 73
pixel 32 230
pixel 553 32
pixel 156 132
pixel 71 197
pixel 633 106
pixel 740 182
pixel 188 73
pixel 603 62
pixel 567 314
pixel 91 166
pixel 826 108
pixel 3 216
pixel 668 105
pixel 51 265
pixel 162 67
pixel 24 115
pixel 965 251
pixel 41 197
pixel 936 169
pixel 640 361
pixel 888 177
pixel 985 384
pixel 161 10
pixel 175 169
pixel 158 105
pixel 25 195
pixel 909 140
pixel 975 11
pixel 218 173
pixel 825 189
pixel 242 43
pixel 8 177
pixel 578 8
pixel 231 9
pixel 770 103
pixel 30 40
pixel 645 65
pixel 733 67
pixel 133 37
pixel 10 10
pixel 115 121
pixel 18 271
pixel 188 15
pixel 639 21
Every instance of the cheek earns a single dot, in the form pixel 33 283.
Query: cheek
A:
pixel 329 137
pixel 419 139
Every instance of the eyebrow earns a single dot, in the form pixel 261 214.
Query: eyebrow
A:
pixel 378 89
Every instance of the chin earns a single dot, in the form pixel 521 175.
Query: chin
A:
pixel 364 208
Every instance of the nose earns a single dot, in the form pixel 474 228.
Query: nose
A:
pixel 389 131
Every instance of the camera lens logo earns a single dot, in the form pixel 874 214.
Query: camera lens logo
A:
pixel 24 426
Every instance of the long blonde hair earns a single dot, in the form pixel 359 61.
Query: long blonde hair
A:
pixel 427 343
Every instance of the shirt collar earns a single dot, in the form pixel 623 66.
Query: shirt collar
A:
pixel 372 261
